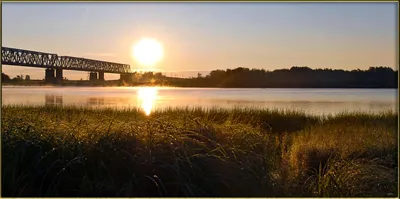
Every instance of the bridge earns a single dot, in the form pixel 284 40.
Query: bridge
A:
pixel 54 63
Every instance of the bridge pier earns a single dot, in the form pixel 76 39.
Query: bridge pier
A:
pixel 49 75
pixel 101 76
pixel 93 76
pixel 59 75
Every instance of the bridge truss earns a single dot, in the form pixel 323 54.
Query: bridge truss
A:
pixel 19 57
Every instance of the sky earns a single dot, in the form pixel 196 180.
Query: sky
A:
pixel 207 36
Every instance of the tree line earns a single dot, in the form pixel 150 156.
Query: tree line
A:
pixel 295 77
pixel 6 78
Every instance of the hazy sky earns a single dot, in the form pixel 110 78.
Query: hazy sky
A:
pixel 207 36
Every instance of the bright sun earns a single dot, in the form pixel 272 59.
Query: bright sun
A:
pixel 147 51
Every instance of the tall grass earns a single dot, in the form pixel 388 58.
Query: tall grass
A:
pixel 76 151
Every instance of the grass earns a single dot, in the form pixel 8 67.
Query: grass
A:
pixel 73 151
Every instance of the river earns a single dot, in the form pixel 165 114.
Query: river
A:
pixel 313 101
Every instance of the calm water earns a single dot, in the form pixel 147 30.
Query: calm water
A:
pixel 315 101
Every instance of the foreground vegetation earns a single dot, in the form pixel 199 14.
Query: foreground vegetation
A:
pixel 71 151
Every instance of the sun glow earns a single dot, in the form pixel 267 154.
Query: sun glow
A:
pixel 147 51
pixel 147 98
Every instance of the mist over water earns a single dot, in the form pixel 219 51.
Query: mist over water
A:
pixel 313 101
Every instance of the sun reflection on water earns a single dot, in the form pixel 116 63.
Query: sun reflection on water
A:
pixel 147 97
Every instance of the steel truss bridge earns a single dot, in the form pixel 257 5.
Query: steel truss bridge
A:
pixel 20 57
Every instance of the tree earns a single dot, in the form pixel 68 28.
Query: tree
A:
pixel 158 75
pixel 18 78
pixel 27 77
pixel 5 77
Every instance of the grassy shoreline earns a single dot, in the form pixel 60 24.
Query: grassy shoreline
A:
pixel 72 151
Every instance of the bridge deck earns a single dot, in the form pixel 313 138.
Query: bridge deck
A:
pixel 28 58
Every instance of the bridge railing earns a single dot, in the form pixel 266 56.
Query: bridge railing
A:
pixel 12 56
pixel 76 63
pixel 19 57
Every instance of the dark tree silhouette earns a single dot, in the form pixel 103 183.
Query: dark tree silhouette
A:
pixel 296 77
pixel 5 77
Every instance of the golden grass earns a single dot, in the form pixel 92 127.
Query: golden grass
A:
pixel 71 151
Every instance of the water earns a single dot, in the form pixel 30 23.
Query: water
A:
pixel 313 101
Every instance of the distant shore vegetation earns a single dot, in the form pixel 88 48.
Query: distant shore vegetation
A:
pixel 295 77
pixel 56 151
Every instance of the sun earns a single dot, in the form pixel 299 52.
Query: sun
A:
pixel 147 51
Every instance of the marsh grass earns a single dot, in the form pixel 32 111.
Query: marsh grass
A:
pixel 76 151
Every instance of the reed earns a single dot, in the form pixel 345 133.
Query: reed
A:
pixel 75 151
